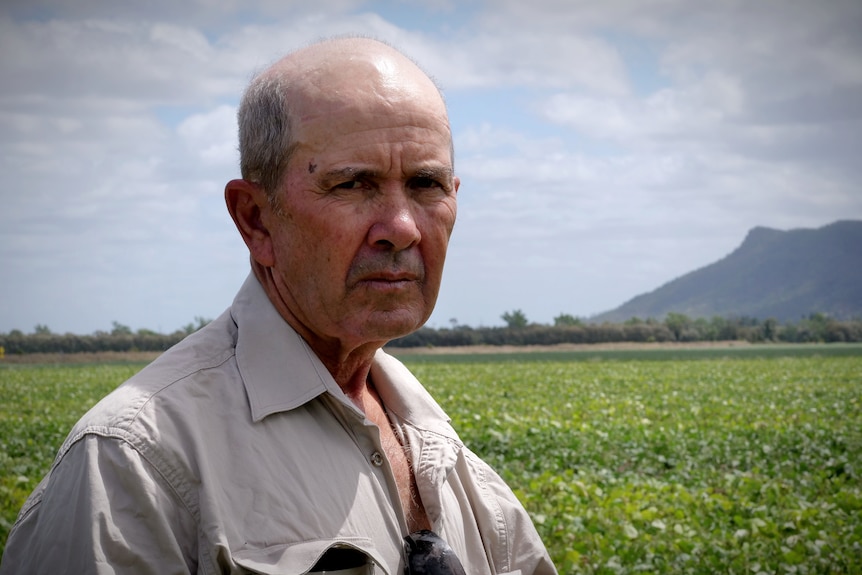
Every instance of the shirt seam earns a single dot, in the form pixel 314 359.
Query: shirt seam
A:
pixel 500 518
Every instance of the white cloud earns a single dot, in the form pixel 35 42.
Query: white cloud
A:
pixel 212 136
pixel 532 59
pixel 701 110
pixel 139 63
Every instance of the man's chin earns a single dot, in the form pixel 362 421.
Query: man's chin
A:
pixel 393 324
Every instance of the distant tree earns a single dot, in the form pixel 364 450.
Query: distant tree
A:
pixel 770 329
pixel 515 319
pixel 677 323
pixel 565 319
pixel 120 329
pixel 196 325
pixel 702 329
pixel 41 329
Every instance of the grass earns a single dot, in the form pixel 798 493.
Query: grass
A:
pixel 736 462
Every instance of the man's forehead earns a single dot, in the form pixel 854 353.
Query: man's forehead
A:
pixel 368 111
pixel 337 74
pixel 342 51
pixel 361 85
pixel 365 94
pixel 343 87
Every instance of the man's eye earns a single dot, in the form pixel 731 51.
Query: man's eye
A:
pixel 349 185
pixel 421 183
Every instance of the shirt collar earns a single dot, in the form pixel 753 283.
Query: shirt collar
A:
pixel 404 396
pixel 281 372
pixel 424 427
pixel 278 369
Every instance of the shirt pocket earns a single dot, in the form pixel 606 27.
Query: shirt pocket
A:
pixel 345 556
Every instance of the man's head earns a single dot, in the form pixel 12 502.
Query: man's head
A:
pixel 348 192
pixel 265 113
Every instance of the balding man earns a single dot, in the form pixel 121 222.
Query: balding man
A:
pixel 280 438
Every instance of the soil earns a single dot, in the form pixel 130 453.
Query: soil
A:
pixel 148 356
pixel 477 349
pixel 96 357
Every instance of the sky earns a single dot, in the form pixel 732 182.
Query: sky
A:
pixel 604 148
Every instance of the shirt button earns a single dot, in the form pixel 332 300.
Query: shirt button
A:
pixel 376 459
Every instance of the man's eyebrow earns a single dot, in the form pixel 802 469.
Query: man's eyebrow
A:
pixel 434 172
pixel 354 173
pixel 349 173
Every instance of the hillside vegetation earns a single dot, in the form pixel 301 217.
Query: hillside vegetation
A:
pixel 798 286
pixel 783 275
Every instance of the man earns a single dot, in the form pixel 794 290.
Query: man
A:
pixel 280 438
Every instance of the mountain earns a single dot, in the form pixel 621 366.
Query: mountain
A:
pixel 786 275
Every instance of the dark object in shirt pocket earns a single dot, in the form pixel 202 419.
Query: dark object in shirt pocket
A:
pixel 341 556
pixel 339 559
pixel 429 554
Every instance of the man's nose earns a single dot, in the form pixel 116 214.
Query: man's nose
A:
pixel 394 224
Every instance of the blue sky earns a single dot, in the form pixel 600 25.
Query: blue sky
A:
pixel 605 148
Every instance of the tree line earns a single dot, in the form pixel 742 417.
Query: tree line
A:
pixel 120 338
pixel 675 327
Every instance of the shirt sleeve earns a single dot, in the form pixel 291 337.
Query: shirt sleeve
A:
pixel 528 553
pixel 102 509
pixel 521 548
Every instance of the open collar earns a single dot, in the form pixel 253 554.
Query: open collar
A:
pixel 278 368
pixel 281 372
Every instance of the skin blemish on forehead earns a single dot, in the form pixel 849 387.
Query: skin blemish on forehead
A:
pixel 312 168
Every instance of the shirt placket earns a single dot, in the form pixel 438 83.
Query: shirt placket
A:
pixel 366 436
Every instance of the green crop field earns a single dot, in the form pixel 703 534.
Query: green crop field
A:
pixel 725 462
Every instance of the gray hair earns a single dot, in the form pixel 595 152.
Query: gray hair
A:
pixel 265 142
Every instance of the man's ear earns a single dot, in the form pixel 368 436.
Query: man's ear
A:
pixel 246 202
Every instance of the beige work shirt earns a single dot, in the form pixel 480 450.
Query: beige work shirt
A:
pixel 237 452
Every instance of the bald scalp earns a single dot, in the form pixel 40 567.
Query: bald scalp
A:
pixel 316 81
